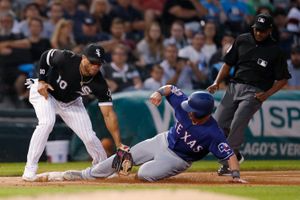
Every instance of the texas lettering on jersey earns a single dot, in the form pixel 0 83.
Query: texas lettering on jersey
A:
pixel 188 139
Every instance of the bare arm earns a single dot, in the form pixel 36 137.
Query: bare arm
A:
pixel 111 122
pixel 262 96
pixel 201 10
pixel 138 84
pixel 156 97
pixel 235 169
pixel 224 72
pixel 182 12
pixel 21 44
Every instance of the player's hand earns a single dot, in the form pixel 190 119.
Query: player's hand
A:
pixel 155 98
pixel 238 180
pixel 261 96
pixel 213 88
pixel 43 88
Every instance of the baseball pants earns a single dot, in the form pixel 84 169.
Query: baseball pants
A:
pixel 156 159
pixel 74 115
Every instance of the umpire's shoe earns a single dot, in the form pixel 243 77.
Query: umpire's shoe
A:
pixel 224 170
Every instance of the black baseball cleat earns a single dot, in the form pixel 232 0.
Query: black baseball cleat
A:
pixel 240 157
pixel 224 171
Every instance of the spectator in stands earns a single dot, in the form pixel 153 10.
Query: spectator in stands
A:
pixel 280 32
pixel 55 14
pixel 293 24
pixel 150 49
pixel 154 82
pixel 43 7
pixel 90 32
pixel 215 11
pixel 177 35
pixel 217 61
pixel 100 10
pixel 176 69
pixel 72 13
pixel 14 50
pixel 155 6
pixel 183 10
pixel 62 37
pixel 119 74
pixel 210 46
pixel 294 68
pixel 197 62
pixel 118 36
pixel 30 11
pixel 236 12
pixel 132 18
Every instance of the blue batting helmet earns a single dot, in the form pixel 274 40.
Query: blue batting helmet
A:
pixel 201 103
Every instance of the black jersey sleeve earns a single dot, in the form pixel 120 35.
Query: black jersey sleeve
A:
pixel 281 67
pixel 231 56
pixel 101 91
pixel 49 59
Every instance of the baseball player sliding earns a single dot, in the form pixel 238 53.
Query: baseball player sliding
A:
pixel 193 136
pixel 63 78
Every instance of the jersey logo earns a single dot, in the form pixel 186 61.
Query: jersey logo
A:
pixel 98 53
pixel 223 147
pixel 261 20
pixel 176 91
pixel 190 142
pixel 85 90
pixel 262 62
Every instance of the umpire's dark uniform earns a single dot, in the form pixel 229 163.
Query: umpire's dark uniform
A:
pixel 257 64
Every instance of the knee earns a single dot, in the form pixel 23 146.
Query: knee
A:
pixel 47 123
pixel 146 176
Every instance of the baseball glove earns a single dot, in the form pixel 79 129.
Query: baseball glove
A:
pixel 123 162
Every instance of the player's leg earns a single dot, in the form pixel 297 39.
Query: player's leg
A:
pixel 141 153
pixel 77 118
pixel 45 112
pixel 165 163
pixel 226 109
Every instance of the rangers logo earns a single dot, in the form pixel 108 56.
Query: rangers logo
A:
pixel 223 147
pixel 98 53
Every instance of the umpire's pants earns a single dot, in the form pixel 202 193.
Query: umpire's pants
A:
pixel 235 111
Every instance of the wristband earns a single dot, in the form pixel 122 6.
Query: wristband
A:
pixel 235 174
pixel 161 91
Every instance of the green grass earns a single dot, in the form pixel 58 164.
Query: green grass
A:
pixel 260 192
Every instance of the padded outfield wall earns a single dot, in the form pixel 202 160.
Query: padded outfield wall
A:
pixel 273 133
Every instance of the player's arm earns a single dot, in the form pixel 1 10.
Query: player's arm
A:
pixel 234 168
pixel 47 60
pixel 156 97
pixel 111 122
pixel 223 73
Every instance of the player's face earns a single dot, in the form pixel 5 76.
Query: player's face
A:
pixel 90 69
pixel 93 69
pixel 261 35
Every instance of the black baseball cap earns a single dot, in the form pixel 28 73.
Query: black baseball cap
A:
pixel 94 53
pixel 263 22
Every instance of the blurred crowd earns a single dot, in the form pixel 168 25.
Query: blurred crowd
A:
pixel 149 43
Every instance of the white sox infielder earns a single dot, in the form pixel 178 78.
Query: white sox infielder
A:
pixel 63 78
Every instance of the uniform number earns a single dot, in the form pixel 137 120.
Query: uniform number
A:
pixel 62 84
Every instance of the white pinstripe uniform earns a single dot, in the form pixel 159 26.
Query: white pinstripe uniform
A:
pixel 61 70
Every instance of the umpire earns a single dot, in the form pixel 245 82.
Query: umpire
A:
pixel 260 70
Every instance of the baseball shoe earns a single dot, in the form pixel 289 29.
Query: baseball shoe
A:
pixel 29 175
pixel 72 175
pixel 224 171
